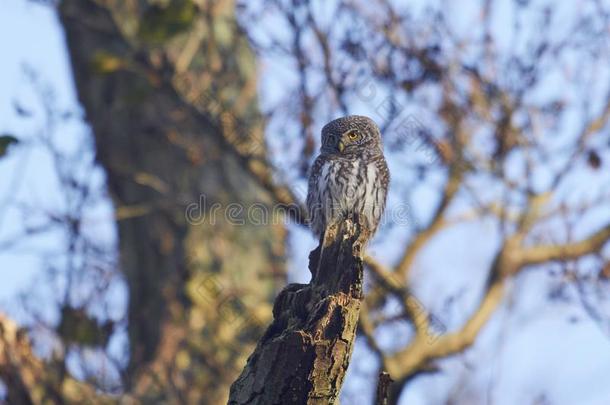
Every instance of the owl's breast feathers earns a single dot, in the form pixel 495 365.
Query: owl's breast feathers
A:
pixel 339 186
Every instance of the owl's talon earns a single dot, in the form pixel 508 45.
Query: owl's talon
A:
pixel 358 249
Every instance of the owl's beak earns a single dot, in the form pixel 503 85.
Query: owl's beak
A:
pixel 341 146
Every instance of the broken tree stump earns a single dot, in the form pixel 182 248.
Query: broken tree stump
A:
pixel 303 356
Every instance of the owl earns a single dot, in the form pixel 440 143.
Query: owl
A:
pixel 350 177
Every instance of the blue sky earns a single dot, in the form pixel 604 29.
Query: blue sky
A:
pixel 30 37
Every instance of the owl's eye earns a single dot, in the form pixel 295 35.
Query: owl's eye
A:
pixel 353 136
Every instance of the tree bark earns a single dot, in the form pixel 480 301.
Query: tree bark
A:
pixel 164 87
pixel 305 352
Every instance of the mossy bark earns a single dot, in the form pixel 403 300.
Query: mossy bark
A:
pixel 164 110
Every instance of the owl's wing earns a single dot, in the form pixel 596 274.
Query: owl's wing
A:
pixel 314 202
pixel 382 191
pixel 374 190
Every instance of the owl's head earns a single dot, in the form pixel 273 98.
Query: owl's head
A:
pixel 351 135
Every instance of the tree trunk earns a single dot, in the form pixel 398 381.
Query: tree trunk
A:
pixel 304 355
pixel 164 87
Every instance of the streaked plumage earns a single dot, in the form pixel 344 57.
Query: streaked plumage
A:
pixel 350 176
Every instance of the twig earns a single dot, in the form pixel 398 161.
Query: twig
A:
pixel 383 386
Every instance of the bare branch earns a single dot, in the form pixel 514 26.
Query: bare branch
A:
pixel 570 251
